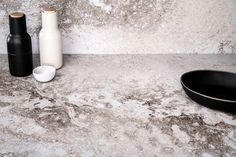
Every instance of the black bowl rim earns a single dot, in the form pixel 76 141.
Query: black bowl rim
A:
pixel 203 95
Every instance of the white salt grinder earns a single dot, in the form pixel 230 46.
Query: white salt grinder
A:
pixel 50 43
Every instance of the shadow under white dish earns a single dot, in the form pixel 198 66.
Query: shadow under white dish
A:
pixel 44 73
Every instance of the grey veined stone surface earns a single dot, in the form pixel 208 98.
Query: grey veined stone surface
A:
pixel 133 26
pixel 117 105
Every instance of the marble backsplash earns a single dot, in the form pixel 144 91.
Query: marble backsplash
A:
pixel 133 26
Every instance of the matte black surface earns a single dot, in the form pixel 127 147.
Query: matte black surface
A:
pixel 213 89
pixel 17 25
pixel 19 48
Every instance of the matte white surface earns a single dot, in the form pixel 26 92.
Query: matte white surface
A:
pixel 50 43
pixel 44 73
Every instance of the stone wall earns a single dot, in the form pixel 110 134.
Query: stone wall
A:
pixel 133 26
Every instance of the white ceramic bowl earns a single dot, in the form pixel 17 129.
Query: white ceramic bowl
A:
pixel 44 73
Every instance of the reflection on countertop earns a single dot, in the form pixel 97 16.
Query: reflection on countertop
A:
pixel 113 105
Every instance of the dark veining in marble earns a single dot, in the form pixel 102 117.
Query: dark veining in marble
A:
pixel 98 111
pixel 136 14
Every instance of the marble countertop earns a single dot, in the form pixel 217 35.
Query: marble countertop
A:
pixel 113 105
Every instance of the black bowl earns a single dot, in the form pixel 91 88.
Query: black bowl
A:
pixel 213 89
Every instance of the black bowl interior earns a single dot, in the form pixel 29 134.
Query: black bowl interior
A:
pixel 214 84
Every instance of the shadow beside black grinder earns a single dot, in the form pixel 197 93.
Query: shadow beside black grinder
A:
pixel 19 46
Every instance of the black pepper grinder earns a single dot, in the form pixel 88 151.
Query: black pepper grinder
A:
pixel 19 46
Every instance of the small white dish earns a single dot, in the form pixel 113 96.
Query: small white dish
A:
pixel 44 73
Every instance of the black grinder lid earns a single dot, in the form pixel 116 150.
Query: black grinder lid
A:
pixel 17 22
